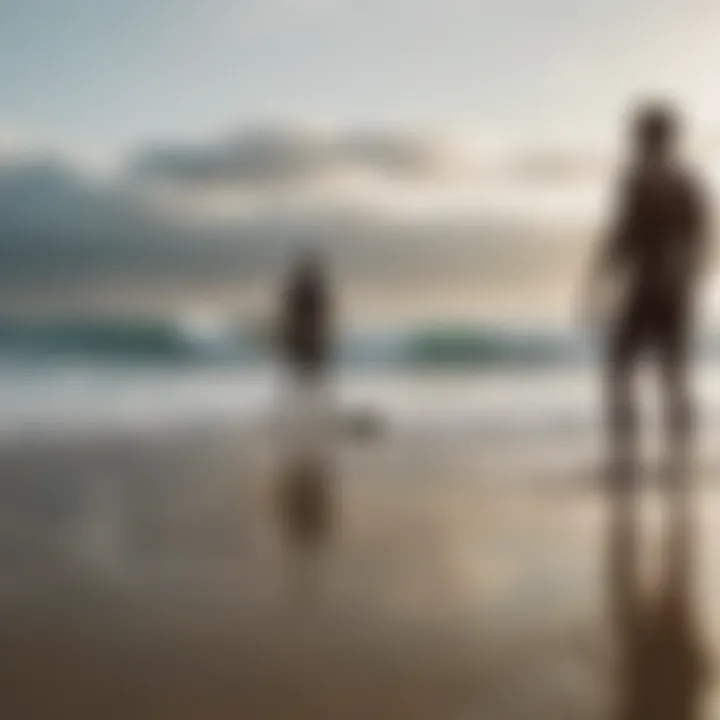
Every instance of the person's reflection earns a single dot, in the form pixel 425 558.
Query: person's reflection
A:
pixel 662 660
pixel 305 505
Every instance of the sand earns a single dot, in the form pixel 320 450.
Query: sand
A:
pixel 170 577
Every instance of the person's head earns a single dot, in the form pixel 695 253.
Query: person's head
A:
pixel 656 130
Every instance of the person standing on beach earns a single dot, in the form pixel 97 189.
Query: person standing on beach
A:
pixel 656 248
pixel 306 345
pixel 306 318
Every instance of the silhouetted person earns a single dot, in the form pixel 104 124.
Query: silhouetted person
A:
pixel 656 247
pixel 662 662
pixel 306 318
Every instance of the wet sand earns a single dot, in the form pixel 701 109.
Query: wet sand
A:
pixel 167 578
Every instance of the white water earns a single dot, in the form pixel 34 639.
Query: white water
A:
pixel 108 398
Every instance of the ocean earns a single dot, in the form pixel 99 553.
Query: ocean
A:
pixel 80 375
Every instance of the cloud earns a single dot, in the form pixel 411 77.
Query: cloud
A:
pixel 391 209
pixel 399 169
pixel 280 155
pixel 558 165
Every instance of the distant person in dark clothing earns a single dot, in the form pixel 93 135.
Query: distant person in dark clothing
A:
pixel 656 248
pixel 306 331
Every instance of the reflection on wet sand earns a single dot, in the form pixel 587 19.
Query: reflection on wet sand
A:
pixel 305 505
pixel 663 662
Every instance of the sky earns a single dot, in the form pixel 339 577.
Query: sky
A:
pixel 455 155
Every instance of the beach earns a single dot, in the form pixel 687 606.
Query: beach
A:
pixel 157 575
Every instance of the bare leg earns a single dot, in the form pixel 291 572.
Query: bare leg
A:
pixel 678 404
pixel 622 416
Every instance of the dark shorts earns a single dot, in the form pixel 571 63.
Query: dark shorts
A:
pixel 648 324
